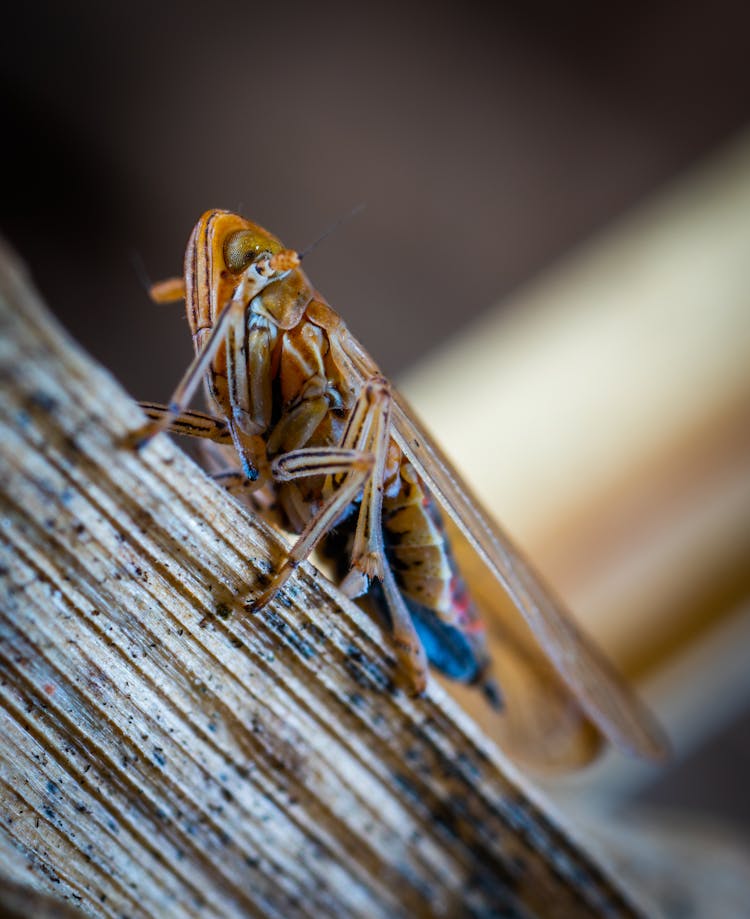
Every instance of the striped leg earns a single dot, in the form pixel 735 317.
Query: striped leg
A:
pixel 189 424
pixel 368 552
pixel 231 318
pixel 233 315
pixel 354 465
pixel 360 460
pixel 249 384
pixel 211 429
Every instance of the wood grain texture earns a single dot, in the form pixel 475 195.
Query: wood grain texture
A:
pixel 164 753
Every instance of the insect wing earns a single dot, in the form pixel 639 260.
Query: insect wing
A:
pixel 602 694
pixel 541 724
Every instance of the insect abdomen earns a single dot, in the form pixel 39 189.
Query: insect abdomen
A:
pixel 419 552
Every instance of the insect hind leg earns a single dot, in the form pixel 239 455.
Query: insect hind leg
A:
pixel 355 465
pixel 361 457
pixel 368 550
pixel 368 557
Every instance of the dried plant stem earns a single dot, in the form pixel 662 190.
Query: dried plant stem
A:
pixel 163 753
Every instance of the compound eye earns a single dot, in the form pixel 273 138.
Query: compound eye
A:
pixel 241 248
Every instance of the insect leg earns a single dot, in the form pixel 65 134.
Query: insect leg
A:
pixel 215 430
pixel 189 424
pixel 368 552
pixel 169 291
pixel 256 277
pixel 349 460
pixel 367 435
pixel 319 461
pixel 354 464
pixel 408 645
pixel 233 314
pixel 249 385
pixel 259 345
pixel 220 463
pixel 237 383
pixel 295 428
pixel 235 482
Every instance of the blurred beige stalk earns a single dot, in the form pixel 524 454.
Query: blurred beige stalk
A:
pixel 604 417
pixel 162 753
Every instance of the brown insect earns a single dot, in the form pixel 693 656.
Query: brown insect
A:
pixel 332 452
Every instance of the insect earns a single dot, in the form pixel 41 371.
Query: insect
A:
pixel 333 453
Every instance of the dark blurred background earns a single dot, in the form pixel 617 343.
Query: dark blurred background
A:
pixel 485 142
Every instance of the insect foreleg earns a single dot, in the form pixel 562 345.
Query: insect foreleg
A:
pixel 259 344
pixel 216 430
pixel 249 374
pixel 189 424
pixel 257 276
pixel 232 315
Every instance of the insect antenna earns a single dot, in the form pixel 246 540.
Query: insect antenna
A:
pixel 334 226
pixel 139 269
